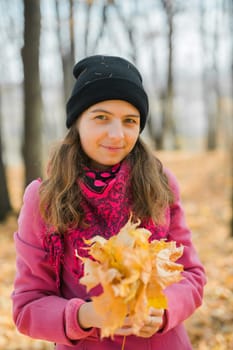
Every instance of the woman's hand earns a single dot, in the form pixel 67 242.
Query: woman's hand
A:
pixel 87 318
pixel 155 322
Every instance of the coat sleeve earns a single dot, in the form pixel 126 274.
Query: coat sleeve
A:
pixel 39 310
pixel 186 296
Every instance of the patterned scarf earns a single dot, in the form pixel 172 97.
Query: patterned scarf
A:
pixel 107 206
pixel 98 180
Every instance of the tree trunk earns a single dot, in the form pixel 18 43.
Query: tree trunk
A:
pixel 129 29
pixel 231 121
pixel 169 129
pixel 5 206
pixel 87 26
pixel 212 132
pixel 32 146
pixel 67 52
pixel 103 23
pixel 210 82
pixel 231 165
pixel 169 124
pixel 215 117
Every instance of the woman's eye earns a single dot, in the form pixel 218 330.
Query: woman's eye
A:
pixel 101 117
pixel 131 121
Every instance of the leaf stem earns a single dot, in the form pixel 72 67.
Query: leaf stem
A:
pixel 123 343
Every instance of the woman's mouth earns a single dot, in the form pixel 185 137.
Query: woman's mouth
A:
pixel 112 148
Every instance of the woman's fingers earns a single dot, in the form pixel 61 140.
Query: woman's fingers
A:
pixel 153 323
pixel 156 312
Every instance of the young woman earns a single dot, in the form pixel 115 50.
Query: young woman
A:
pixel 98 175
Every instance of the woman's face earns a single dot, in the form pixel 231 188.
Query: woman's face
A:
pixel 108 131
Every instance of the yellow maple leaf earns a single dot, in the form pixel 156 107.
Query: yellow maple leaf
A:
pixel 133 273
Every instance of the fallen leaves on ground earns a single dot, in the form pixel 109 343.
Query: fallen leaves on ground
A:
pixel 205 184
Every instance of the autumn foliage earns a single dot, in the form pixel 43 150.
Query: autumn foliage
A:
pixel 133 274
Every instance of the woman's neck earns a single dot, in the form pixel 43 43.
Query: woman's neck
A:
pixel 99 167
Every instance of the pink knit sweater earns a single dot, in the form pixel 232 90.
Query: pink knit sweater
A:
pixel 47 293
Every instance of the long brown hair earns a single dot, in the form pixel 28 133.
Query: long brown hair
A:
pixel 60 196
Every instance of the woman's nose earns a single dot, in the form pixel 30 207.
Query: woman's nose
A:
pixel 116 130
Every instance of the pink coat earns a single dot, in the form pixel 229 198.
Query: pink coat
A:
pixel 42 310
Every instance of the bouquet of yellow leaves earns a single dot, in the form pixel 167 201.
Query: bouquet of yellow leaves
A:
pixel 133 273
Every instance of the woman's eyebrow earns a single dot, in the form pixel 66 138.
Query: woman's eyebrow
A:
pixel 100 110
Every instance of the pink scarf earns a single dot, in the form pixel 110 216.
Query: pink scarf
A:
pixel 105 213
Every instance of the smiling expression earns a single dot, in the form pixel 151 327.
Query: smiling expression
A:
pixel 108 131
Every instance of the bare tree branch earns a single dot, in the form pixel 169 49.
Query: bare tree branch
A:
pixel 102 27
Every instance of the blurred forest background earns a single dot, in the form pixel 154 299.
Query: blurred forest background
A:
pixel 184 50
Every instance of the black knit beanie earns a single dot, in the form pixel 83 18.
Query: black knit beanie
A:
pixel 100 78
